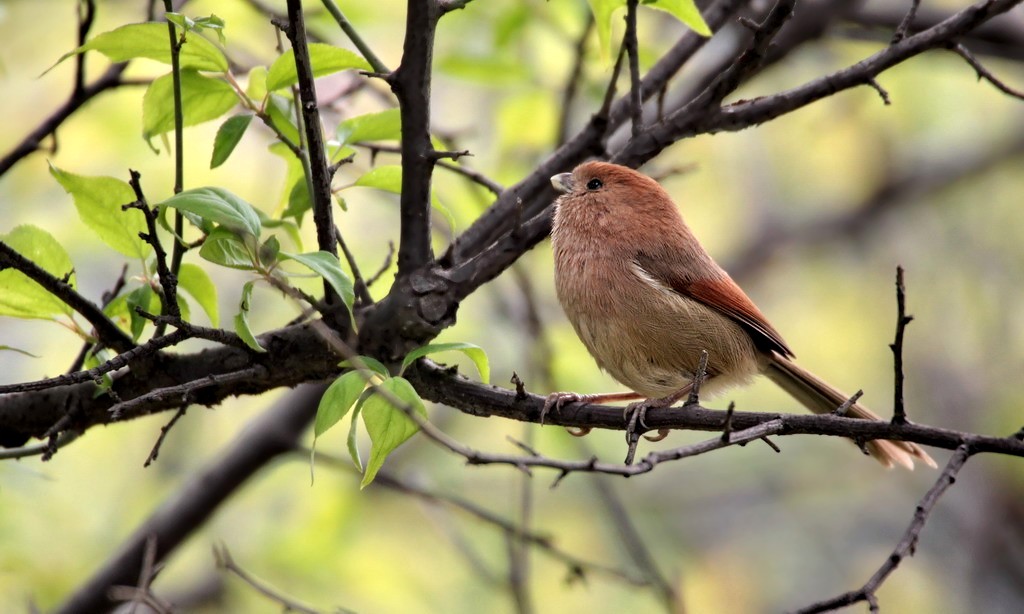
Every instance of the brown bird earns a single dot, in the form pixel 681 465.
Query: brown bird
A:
pixel 646 299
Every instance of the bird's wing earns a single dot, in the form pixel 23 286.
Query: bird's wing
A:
pixel 721 294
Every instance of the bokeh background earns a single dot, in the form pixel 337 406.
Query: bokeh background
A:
pixel 741 530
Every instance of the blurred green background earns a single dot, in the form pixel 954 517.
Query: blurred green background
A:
pixel 743 530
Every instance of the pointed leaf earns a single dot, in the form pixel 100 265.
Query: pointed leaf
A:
pixel 194 280
pixel 383 126
pixel 150 40
pixel 474 352
pixel 353 431
pixel 325 59
pixel 99 200
pixel 242 319
pixel 388 177
pixel 202 99
pixel 228 136
pixel 20 296
pixel 225 248
pixel 370 363
pixel 338 399
pixel 327 266
pixel 685 11
pixel 387 425
pixel 220 206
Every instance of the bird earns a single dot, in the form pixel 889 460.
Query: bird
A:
pixel 646 299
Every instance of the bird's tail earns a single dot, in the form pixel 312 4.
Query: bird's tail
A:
pixel 821 398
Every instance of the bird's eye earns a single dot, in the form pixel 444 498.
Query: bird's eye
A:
pixel 594 184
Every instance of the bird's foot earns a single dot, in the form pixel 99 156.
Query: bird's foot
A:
pixel 557 399
pixel 635 415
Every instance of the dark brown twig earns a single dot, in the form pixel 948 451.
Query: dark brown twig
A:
pixel 320 175
pixel 108 332
pixel 155 452
pixel 629 41
pixel 168 291
pixel 899 414
pixel 906 545
pixel 572 82
pixel 984 73
pixel 906 23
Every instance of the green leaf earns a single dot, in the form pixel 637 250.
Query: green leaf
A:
pixel 225 248
pixel 99 200
pixel 327 266
pixel 353 431
pixel 387 425
pixel 150 40
pixel 202 99
pixel 603 11
pixel 383 126
pixel 279 109
pixel 198 24
pixel 194 280
pixel 220 206
pixel 290 228
pixel 256 89
pixel 474 352
pixel 325 59
pixel 299 201
pixel 242 319
pixel 293 173
pixel 144 298
pixel 370 363
pixel 20 296
pixel 339 397
pixel 228 136
pixel 388 177
pixel 268 251
pixel 685 11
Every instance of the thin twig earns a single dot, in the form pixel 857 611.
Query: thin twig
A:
pixel 630 43
pixel 350 32
pixel 984 73
pixel 168 291
pixel 178 247
pixel 319 173
pixel 155 452
pixel 108 332
pixel 634 543
pixel 906 23
pixel 572 82
pixel 899 414
pixel 906 545
pixel 185 392
pixel 224 561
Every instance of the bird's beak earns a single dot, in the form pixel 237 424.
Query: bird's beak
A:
pixel 562 182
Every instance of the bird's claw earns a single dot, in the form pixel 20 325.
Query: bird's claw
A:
pixel 558 399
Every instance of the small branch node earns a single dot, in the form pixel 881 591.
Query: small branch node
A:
pixel 847 404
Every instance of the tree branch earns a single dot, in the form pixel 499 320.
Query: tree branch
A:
pixel 272 434
pixel 411 84
pixel 906 546
pixel 320 176
pixel 108 332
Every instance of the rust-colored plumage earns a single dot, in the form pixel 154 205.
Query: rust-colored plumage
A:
pixel 646 299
